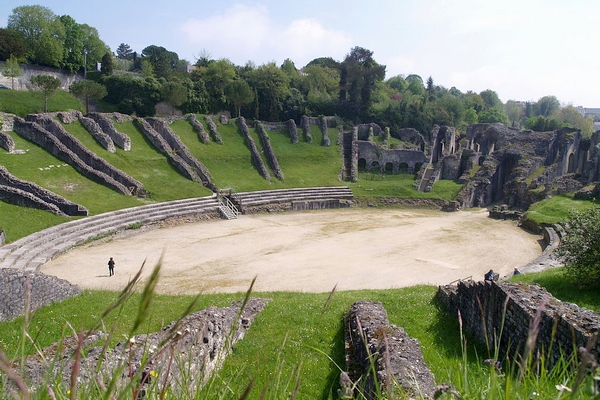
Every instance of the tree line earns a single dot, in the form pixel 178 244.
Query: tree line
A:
pixel 354 89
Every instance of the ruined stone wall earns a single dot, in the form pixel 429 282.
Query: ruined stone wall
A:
pixel 212 127
pixel 108 127
pixel 371 152
pixel 175 143
pixel 269 152
pixel 363 130
pixel 78 156
pixel 9 120
pixel 43 290
pixel 24 193
pixel 199 128
pixel 7 142
pixel 379 351
pixel 98 134
pixel 410 135
pixel 256 158
pixel 291 125
pixel 501 315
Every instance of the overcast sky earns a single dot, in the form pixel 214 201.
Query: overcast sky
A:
pixel 522 49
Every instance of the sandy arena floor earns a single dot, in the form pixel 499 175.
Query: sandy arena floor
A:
pixel 307 252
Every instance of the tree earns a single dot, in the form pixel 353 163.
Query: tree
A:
pixel 491 99
pixel 239 93
pixel 272 87
pixel 88 90
pixel 94 48
pixel 573 118
pixel 514 113
pixel 546 106
pixel 42 32
pixel 163 61
pixel 47 85
pixel 73 55
pixel 124 52
pixel 430 89
pixel 174 94
pixel 107 66
pixel 580 247
pixel 12 70
pixel 11 44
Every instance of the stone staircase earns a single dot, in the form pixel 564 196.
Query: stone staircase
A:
pixel 347 156
pixel 30 252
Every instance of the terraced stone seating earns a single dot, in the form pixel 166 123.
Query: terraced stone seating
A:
pixel 265 197
pixel 30 252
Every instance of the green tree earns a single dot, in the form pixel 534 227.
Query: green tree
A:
pixel 398 83
pixel 42 32
pixel 546 106
pixel 73 54
pixel 174 93
pixel 514 113
pixel 272 88
pixel 12 70
pixel 124 52
pixel 430 89
pixel 358 78
pixel 11 44
pixel 491 99
pixel 493 115
pixel 163 61
pixel 47 85
pixel 93 48
pixel 239 93
pixel 580 247
pixel 572 118
pixel 88 90
pixel 107 66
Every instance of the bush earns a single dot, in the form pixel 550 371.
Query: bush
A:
pixel 580 247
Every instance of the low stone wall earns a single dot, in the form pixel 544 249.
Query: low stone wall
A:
pixel 7 142
pixel 199 128
pixel 181 149
pixel 2 237
pixel 23 193
pixel 320 204
pixel 397 358
pixel 269 152
pixel 503 315
pixel 256 158
pixel 43 289
pixel 50 135
pixel 98 134
pixel 193 347
pixel 119 138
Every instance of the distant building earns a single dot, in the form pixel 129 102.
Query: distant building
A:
pixel 586 112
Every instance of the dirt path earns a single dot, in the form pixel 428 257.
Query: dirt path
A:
pixel 308 252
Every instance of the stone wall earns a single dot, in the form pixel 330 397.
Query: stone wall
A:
pixel 50 135
pixel 98 134
pixel 177 146
pixel 23 193
pixel 43 289
pixel 199 128
pixel 502 314
pixel 23 81
pixel 7 142
pixel 377 157
pixel 379 351
pixel 269 152
pixel 256 158
pixel 108 127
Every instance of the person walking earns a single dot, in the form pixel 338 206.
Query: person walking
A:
pixel 111 267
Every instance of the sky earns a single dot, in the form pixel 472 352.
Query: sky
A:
pixel 522 49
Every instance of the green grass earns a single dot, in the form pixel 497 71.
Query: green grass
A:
pixel 556 209
pixel 297 338
pixel 401 185
pixel 23 102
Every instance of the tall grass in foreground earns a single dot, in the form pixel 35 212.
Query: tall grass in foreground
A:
pixel 294 349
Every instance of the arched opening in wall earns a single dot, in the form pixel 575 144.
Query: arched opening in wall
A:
pixel 374 165
pixel 571 164
pixel 362 165
pixel 501 176
pixel 480 161
pixel 389 168
pixel 418 167
pixel 403 168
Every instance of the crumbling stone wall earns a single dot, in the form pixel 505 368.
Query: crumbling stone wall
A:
pixel 176 145
pixel 269 152
pixel 58 142
pixel 108 127
pixel 7 142
pixel 195 346
pixel 212 127
pixel 256 158
pixel 23 193
pixel 363 130
pixel 502 314
pixel 42 289
pixel 372 153
pixel 98 134
pixel 398 361
pixel 8 119
pixel 411 135
pixel 163 146
pixel 199 128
